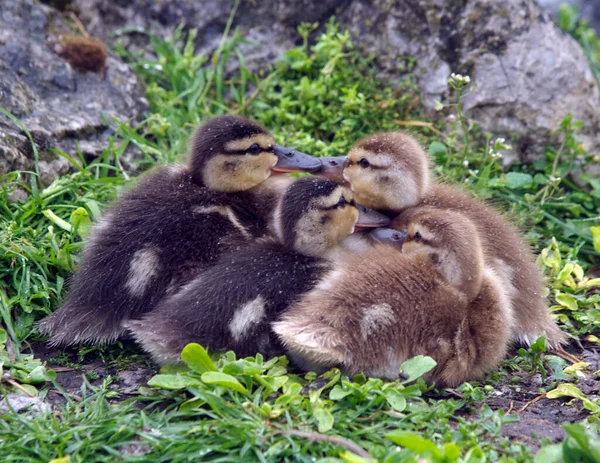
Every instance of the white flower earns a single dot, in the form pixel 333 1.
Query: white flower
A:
pixel 465 163
pixel 458 80
pixel 555 179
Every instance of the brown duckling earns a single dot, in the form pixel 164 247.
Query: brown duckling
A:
pixel 391 172
pixel 172 225
pixel 231 305
pixel 445 303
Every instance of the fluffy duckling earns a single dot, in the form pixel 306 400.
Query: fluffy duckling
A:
pixel 230 305
pixel 174 224
pixel 391 172
pixel 445 304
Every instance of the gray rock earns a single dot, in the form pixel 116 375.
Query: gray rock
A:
pixel 19 403
pixel 528 74
pixel 58 105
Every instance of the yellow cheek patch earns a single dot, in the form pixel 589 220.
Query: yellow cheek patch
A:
pixel 265 141
pixel 323 202
pixel 237 172
pixel 342 224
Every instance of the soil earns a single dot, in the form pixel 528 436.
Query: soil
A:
pixel 539 417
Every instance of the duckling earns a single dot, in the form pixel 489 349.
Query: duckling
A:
pixel 445 303
pixel 390 172
pixel 174 224
pixel 230 305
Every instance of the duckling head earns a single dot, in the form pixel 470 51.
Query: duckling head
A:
pixel 448 241
pixel 316 215
pixel 387 171
pixel 231 153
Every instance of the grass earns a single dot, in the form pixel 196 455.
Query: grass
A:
pixel 320 98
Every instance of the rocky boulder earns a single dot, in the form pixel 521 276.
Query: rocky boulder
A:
pixel 528 74
pixel 59 105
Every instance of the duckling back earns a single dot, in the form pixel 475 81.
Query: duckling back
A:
pixel 160 235
pixel 374 311
pixel 511 258
pixel 230 306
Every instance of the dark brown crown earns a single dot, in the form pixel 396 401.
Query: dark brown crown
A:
pixel 212 136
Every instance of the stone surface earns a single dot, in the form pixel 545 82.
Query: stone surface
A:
pixel 528 73
pixel 20 403
pixel 58 105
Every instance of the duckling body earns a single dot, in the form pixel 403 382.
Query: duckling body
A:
pixel 390 172
pixel 444 304
pixel 170 227
pixel 231 305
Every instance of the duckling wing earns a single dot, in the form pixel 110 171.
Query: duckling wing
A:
pixel 371 313
pixel 159 236
pixel 230 306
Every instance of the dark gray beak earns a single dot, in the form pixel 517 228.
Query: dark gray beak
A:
pixel 289 160
pixel 333 168
pixel 368 218
pixel 389 236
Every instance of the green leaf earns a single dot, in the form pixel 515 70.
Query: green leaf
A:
pixel 539 345
pixel 475 455
pixel 350 457
pixel 93 208
pixel 80 221
pixel 224 380
pixel 549 454
pixel 596 238
pixel 173 382
pixel 396 400
pixel 57 220
pixel 196 357
pixel 580 446
pixel 437 149
pixel 324 418
pixel 337 393
pixel 518 180
pixel 414 442
pixel 451 451
pixel 37 375
pixel 242 367
pixel 417 367
pixel 566 300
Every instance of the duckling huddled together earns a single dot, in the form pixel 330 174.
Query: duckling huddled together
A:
pixel 224 253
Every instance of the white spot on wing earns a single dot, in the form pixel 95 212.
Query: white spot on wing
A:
pixel 249 314
pixel 143 267
pixel 375 317
pixel 227 213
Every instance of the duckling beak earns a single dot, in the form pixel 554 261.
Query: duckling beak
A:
pixel 333 168
pixel 289 160
pixel 389 236
pixel 368 218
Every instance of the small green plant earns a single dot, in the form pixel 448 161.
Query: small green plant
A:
pixel 569 21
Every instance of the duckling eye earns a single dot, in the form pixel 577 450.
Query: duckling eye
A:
pixel 417 237
pixel 342 202
pixel 254 149
pixel 364 163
